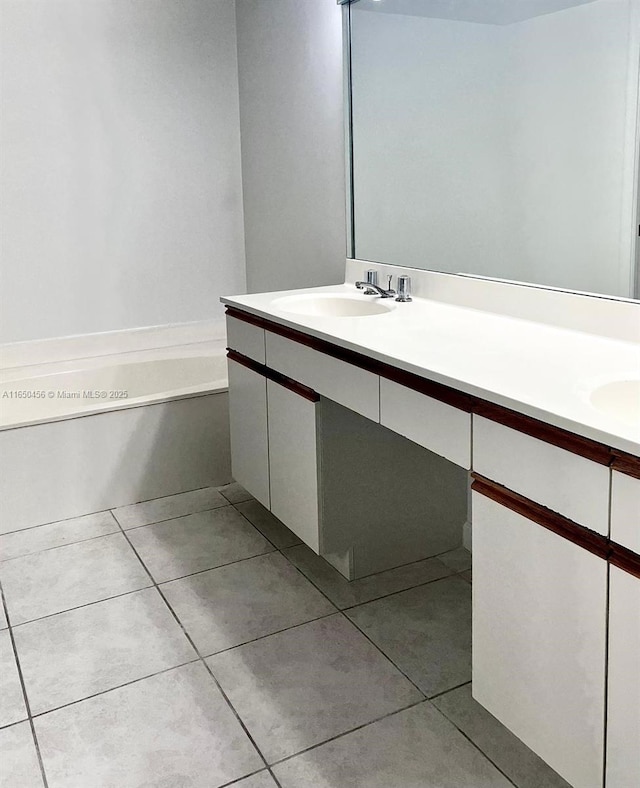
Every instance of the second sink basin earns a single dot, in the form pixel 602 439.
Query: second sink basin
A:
pixel 332 305
pixel 620 399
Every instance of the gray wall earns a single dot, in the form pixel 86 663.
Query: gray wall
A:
pixel 120 154
pixel 291 115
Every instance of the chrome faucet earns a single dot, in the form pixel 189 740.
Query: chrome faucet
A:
pixel 404 288
pixel 371 287
pixel 372 279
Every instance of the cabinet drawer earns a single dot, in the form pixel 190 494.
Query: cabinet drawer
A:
pixel 562 481
pixel 337 380
pixel 625 511
pixel 439 427
pixel 539 638
pixel 246 339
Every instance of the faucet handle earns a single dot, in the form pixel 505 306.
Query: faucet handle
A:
pixel 404 289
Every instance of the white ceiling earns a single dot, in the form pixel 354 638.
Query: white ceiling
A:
pixel 491 12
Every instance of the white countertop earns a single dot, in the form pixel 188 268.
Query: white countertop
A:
pixel 536 369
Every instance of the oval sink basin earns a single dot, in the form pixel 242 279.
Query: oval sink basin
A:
pixel 620 399
pixel 330 305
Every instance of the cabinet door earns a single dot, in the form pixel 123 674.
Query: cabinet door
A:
pixel 539 634
pixel 248 423
pixel 623 711
pixel 293 462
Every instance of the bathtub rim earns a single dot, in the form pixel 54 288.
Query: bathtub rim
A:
pixel 84 347
pixel 15 375
pixel 115 405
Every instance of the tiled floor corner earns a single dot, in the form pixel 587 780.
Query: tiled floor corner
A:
pixel 120 639
pixel 513 757
pixel 308 684
pixel 12 708
pixel 20 767
pixel 62 578
pixel 195 542
pixel 194 641
pixel 416 747
pixel 426 631
pixel 243 601
pixel 185 734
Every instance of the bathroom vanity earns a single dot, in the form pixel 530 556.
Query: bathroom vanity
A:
pixel 336 397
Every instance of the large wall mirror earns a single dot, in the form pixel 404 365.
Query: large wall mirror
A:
pixel 498 138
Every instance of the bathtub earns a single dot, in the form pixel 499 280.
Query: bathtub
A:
pixel 83 435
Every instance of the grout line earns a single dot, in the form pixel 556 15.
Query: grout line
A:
pixel 13 724
pixel 253 525
pixel 200 657
pixel 115 687
pixel 240 779
pixel 118 528
pixel 399 566
pixel 274 778
pixel 451 574
pixel 212 568
pixel 476 746
pixel 400 591
pixel 174 517
pixel 472 742
pixel 386 656
pixel 351 730
pixel 80 607
pixel 341 612
pixel 451 689
pixel 142 588
pixel 55 522
pixel 268 635
pixel 59 546
pixel 24 691
pixel 110 510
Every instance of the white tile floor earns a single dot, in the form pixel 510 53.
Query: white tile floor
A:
pixel 193 641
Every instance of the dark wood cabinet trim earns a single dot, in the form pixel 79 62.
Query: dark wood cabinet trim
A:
pixel 245 361
pixel 282 380
pixel 625 463
pixel 246 317
pixel 567 529
pixel 563 439
pixel 457 399
pixel 556 436
pixel 625 559
pixel 322 346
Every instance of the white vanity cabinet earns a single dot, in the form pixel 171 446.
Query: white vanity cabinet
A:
pixel 539 637
pixel 248 428
pixel 623 705
pixel 355 492
pixel 293 461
